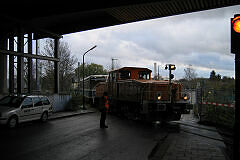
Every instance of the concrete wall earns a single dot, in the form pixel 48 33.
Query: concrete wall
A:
pixel 60 102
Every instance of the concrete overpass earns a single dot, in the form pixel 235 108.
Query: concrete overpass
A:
pixel 54 18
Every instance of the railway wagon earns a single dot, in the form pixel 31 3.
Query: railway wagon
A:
pixel 134 94
pixel 90 87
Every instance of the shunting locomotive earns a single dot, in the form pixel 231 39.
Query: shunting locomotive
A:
pixel 135 95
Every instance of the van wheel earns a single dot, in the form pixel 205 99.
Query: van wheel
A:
pixel 44 117
pixel 12 122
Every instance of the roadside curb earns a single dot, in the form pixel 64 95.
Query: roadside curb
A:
pixel 66 114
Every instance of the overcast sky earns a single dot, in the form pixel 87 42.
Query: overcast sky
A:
pixel 200 39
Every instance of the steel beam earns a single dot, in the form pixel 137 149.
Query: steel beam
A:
pixel 37 68
pixel 42 33
pixel 236 137
pixel 21 54
pixel 3 68
pixel 30 76
pixel 11 66
pixel 20 61
pixel 56 66
pixel 29 26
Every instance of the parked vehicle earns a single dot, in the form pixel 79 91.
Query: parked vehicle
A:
pixel 17 109
pixel 90 83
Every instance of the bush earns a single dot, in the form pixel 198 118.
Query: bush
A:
pixel 76 103
pixel 220 116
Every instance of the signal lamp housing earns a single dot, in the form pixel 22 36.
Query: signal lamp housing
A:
pixel 172 67
pixel 235 34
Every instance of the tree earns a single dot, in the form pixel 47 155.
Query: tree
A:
pixel 219 77
pixel 190 73
pixel 66 66
pixel 213 75
pixel 90 69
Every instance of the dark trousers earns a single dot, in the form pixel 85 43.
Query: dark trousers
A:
pixel 103 118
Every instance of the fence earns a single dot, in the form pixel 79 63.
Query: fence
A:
pixel 219 104
pixel 216 107
pixel 219 115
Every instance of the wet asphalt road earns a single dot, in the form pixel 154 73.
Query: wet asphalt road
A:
pixel 80 137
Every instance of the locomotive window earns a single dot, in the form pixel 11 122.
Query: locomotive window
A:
pixel 148 76
pixel 110 77
pixel 143 75
pixel 114 78
pixel 124 75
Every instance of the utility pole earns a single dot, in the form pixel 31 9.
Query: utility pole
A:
pixel 83 96
pixel 78 76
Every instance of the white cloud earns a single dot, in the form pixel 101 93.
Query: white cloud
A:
pixel 201 39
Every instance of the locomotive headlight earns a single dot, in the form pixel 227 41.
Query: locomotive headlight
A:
pixel 185 97
pixel 159 97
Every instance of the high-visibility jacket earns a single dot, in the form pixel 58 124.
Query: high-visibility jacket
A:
pixel 106 102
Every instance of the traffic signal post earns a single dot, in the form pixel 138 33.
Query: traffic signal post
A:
pixel 170 67
pixel 235 49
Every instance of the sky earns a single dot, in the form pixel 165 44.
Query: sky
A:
pixel 199 39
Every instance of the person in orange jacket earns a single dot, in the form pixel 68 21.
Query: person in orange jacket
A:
pixel 104 107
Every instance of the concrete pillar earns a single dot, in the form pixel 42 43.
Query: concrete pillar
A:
pixel 30 76
pixel 3 68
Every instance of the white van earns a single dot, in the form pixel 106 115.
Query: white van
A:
pixel 17 109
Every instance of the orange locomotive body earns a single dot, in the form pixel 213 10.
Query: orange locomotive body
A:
pixel 134 94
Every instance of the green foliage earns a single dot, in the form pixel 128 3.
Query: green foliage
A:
pixel 213 76
pixel 76 102
pixel 220 116
pixel 220 91
pixel 90 69
pixel 215 88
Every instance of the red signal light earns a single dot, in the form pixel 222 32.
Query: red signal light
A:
pixel 235 34
pixel 236 24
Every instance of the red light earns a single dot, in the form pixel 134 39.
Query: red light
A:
pixel 236 24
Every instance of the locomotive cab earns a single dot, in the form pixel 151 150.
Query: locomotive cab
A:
pixel 134 94
pixel 127 73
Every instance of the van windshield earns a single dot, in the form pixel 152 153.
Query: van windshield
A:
pixel 11 101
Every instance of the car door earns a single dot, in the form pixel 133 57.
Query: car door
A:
pixel 26 111
pixel 46 103
pixel 37 107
